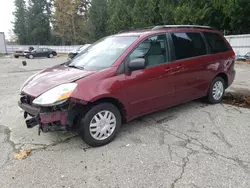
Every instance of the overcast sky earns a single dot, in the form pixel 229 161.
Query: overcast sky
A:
pixel 6 17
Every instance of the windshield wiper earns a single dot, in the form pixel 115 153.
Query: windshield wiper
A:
pixel 66 63
pixel 73 66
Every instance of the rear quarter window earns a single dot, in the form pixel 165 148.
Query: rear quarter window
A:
pixel 188 45
pixel 216 43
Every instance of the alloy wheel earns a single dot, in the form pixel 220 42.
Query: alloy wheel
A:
pixel 218 90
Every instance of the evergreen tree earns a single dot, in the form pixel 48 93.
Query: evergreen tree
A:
pixel 146 13
pixel 166 11
pixel 98 15
pixel 189 12
pixel 38 22
pixel 120 15
pixel 81 21
pixel 20 28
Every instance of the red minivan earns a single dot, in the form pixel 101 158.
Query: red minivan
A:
pixel 127 75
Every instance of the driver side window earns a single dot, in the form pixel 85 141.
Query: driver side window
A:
pixel 153 50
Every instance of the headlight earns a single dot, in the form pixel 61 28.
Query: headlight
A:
pixel 56 96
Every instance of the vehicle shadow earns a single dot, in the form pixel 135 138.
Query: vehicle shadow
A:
pixel 159 118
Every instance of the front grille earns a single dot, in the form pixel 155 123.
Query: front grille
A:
pixel 26 104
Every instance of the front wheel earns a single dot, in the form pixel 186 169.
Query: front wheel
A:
pixel 216 91
pixel 31 56
pixel 51 55
pixel 100 124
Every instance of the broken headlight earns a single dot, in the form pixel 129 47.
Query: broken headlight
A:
pixel 56 95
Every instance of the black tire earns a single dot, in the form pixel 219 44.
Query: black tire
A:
pixel 84 130
pixel 16 56
pixel 210 97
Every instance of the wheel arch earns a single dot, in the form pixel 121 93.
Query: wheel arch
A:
pixel 118 104
pixel 224 76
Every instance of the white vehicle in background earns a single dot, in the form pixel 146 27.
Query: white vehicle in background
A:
pixel 22 53
pixel 73 53
pixel 243 57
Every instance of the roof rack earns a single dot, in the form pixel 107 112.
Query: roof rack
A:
pixel 136 29
pixel 159 27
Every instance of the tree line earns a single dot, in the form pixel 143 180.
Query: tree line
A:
pixel 85 21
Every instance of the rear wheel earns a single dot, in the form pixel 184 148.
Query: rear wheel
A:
pixel 16 56
pixel 100 124
pixel 216 91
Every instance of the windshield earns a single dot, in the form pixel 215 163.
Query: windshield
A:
pixel 103 53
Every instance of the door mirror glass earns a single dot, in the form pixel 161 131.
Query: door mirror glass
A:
pixel 137 64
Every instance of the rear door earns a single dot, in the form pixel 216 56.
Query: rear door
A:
pixel 190 57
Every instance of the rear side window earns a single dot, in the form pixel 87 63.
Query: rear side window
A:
pixel 188 45
pixel 216 43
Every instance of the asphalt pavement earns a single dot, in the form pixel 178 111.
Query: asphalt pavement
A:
pixel 194 145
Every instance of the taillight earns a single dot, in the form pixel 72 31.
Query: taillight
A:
pixel 233 55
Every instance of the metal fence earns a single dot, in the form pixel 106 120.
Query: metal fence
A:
pixel 240 43
pixel 58 49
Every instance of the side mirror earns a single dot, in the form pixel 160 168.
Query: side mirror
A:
pixel 137 64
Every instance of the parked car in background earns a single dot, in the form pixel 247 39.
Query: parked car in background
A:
pixel 41 52
pixel 73 53
pixel 21 52
pixel 244 57
pixel 128 75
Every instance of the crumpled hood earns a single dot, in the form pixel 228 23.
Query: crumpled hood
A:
pixel 52 77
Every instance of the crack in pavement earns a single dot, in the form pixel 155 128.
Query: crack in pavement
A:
pixel 188 140
pixel 207 150
pixel 170 152
pixel 231 109
pixel 211 118
pixel 185 161
pixel 162 136
pixel 195 186
pixel 213 153
pixel 165 119
pixel 7 132
pixel 221 137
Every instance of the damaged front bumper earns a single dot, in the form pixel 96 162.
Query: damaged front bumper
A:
pixel 49 119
